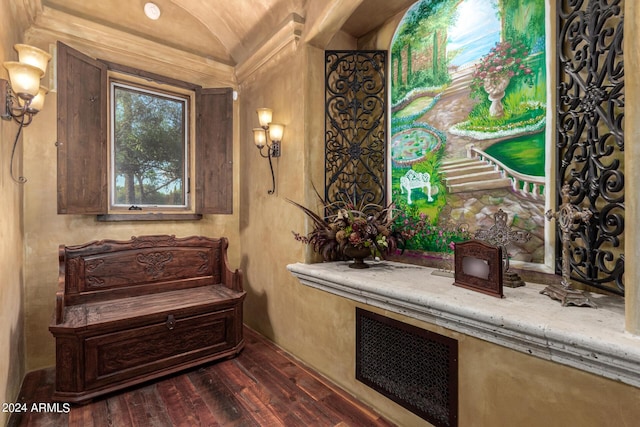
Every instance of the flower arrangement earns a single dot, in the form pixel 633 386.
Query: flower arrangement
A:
pixel 504 61
pixel 369 226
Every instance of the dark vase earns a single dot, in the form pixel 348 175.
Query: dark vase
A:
pixel 358 255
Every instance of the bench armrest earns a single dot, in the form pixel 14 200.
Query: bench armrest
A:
pixel 60 302
pixel 232 279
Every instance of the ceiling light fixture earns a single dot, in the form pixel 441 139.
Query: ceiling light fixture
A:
pixel 152 11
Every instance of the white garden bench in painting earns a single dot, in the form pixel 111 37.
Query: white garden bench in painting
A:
pixel 413 179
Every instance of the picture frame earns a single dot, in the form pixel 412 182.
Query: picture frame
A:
pixel 478 267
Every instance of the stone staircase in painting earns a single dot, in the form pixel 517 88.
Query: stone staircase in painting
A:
pixel 461 80
pixel 461 175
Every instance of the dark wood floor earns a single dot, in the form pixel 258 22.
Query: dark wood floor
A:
pixel 263 386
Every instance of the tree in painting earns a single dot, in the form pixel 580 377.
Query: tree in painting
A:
pixel 468 112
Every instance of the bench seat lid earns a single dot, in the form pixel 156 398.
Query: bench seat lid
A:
pixel 137 307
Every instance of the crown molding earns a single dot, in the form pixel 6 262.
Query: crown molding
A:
pixel 118 46
pixel 26 12
pixel 287 36
pixel 328 21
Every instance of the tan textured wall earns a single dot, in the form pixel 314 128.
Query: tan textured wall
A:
pixel 45 230
pixel 266 221
pixel 498 386
pixel 503 387
pixel 11 242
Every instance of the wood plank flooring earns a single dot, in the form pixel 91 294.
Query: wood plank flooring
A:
pixel 263 386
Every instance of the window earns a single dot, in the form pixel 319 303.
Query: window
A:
pixel 161 181
pixel 149 147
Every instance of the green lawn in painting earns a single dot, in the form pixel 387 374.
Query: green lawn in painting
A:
pixel 415 107
pixel 524 154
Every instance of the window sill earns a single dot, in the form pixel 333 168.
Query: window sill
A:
pixel 149 217
pixel 592 340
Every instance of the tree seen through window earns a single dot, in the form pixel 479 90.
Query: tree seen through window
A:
pixel 148 148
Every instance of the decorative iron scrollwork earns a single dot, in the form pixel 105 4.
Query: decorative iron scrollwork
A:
pixel 590 137
pixel 355 127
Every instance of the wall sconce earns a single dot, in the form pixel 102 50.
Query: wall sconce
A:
pixel 21 97
pixel 269 136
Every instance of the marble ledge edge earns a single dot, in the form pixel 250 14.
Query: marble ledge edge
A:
pixel 576 350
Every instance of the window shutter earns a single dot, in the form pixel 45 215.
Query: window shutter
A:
pixel 214 151
pixel 82 136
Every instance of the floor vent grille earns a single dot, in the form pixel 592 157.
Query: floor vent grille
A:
pixel 415 368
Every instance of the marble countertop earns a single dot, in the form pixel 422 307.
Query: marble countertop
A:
pixel 590 339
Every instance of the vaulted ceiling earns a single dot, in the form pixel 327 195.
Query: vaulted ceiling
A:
pixel 227 31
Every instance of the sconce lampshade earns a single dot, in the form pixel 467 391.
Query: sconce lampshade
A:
pixel 25 78
pixel 33 56
pixel 264 116
pixel 275 131
pixel 259 137
pixel 38 101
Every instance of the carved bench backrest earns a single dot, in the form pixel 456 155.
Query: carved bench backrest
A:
pixel 108 269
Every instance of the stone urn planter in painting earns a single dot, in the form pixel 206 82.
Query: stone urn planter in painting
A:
pixel 504 62
pixel 495 87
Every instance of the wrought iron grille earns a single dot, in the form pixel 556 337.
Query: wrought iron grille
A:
pixel 415 368
pixel 590 143
pixel 355 127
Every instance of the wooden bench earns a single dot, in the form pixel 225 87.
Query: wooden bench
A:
pixel 132 311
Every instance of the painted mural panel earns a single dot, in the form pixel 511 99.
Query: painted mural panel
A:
pixel 468 121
